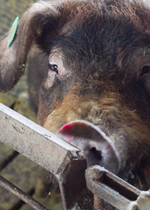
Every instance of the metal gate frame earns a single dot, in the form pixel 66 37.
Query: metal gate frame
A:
pixel 80 188
pixel 47 150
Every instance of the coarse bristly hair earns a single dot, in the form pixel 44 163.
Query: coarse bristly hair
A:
pixel 102 51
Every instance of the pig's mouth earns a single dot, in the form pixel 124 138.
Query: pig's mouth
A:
pixel 95 146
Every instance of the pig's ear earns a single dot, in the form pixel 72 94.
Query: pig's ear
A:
pixel 40 18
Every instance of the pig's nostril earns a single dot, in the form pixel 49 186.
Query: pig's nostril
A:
pixel 97 154
pixel 95 146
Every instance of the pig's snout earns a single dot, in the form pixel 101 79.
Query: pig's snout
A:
pixel 95 146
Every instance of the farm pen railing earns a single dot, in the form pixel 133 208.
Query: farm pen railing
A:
pixel 45 149
pixel 64 161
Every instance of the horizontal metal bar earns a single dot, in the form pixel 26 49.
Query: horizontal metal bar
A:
pixel 20 194
pixel 35 142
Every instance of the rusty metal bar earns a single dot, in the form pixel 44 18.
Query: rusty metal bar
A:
pixel 20 194
pixel 47 150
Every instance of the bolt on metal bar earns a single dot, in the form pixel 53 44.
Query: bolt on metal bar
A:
pixel 20 194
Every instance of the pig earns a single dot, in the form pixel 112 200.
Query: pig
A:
pixel 89 78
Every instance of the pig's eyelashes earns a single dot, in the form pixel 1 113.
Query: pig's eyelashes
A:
pixel 145 70
pixel 53 67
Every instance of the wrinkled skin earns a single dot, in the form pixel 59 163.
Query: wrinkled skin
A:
pixel 102 51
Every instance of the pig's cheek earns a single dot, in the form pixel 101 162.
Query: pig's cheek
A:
pixel 146 80
pixel 147 175
pixel 54 121
pixel 49 80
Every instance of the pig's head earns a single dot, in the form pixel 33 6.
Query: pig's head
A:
pixel 94 90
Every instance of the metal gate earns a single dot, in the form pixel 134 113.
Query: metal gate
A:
pixel 80 188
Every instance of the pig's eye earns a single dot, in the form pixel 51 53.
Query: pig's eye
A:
pixel 53 67
pixel 145 70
